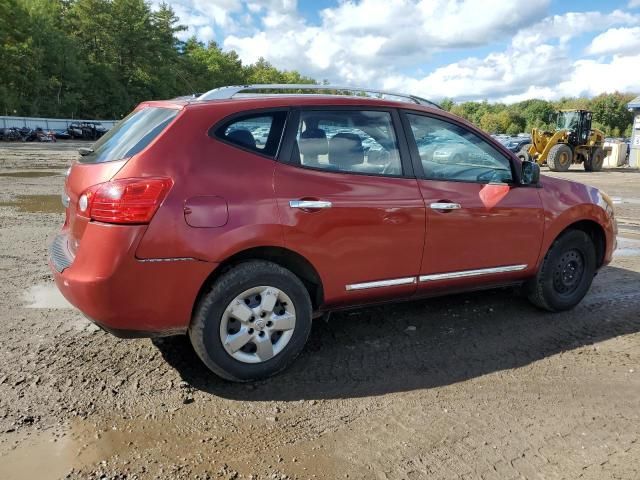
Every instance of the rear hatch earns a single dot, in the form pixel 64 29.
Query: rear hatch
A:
pixel 99 163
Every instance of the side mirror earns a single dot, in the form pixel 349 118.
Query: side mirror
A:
pixel 530 173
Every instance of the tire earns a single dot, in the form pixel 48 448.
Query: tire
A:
pixel 523 153
pixel 595 161
pixel 557 286
pixel 559 158
pixel 212 320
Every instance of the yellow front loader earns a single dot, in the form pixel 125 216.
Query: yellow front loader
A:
pixel 574 141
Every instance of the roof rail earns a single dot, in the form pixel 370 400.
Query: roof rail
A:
pixel 229 92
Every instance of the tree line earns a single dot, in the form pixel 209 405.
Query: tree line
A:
pixel 99 58
pixel 610 113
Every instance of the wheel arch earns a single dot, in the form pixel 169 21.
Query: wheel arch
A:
pixel 596 233
pixel 286 258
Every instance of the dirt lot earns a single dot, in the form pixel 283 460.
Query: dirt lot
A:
pixel 479 386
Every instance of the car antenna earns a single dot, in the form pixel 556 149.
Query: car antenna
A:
pixel 194 94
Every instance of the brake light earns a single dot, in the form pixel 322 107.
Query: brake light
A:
pixel 127 200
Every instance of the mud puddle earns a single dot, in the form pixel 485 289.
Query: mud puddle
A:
pixel 35 203
pixel 176 438
pixel 29 174
pixel 52 454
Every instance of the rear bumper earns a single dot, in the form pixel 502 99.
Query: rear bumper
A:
pixel 126 296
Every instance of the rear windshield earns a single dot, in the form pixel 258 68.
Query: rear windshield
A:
pixel 131 134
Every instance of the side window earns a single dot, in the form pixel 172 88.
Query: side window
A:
pixel 451 152
pixel 260 132
pixel 348 141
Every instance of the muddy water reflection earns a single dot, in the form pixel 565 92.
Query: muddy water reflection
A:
pixel 30 174
pixel 35 203
pixel 52 454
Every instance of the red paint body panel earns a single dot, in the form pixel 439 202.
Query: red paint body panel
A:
pixel 119 292
pixel 379 228
pixel 206 211
pixel 373 231
pixel 203 166
pixel 497 225
pixel 566 202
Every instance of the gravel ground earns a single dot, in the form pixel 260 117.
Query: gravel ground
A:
pixel 476 386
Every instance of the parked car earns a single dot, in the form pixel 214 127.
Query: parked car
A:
pixel 86 130
pixel 28 134
pixel 61 134
pixel 11 134
pixel 44 135
pixel 75 130
pixel 520 146
pixel 179 222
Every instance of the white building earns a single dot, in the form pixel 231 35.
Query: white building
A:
pixel 634 155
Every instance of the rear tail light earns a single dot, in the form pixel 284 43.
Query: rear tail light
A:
pixel 128 200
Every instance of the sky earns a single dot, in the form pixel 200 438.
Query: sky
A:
pixel 497 50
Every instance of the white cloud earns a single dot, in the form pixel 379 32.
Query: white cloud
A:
pixel 531 68
pixel 361 41
pixel 390 43
pixel 206 33
pixel 634 3
pixel 569 25
pixel 591 77
pixel 616 41
pixel 197 15
pixel 498 75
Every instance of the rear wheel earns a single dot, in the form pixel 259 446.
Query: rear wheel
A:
pixel 559 158
pixel 253 322
pixel 595 161
pixel 566 273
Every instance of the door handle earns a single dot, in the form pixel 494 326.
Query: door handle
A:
pixel 309 204
pixel 445 206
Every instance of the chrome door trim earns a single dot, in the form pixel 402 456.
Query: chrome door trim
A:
pixel 381 283
pixel 471 273
pixel 445 206
pixel 309 204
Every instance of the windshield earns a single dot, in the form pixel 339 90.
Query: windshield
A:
pixel 568 120
pixel 132 134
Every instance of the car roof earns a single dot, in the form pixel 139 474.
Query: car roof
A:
pixel 260 101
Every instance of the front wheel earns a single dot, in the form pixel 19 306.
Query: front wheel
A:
pixel 595 161
pixel 560 158
pixel 254 322
pixel 566 273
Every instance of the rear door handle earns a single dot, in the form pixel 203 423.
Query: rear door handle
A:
pixel 445 206
pixel 309 204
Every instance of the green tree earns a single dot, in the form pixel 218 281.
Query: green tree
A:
pixel 610 110
pixel 490 122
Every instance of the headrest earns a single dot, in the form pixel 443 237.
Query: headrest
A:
pixel 313 142
pixel 375 157
pixel 345 150
pixel 243 137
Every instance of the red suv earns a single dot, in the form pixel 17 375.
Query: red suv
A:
pixel 237 217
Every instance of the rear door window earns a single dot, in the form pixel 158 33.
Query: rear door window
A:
pixel 259 132
pixel 131 135
pixel 354 141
